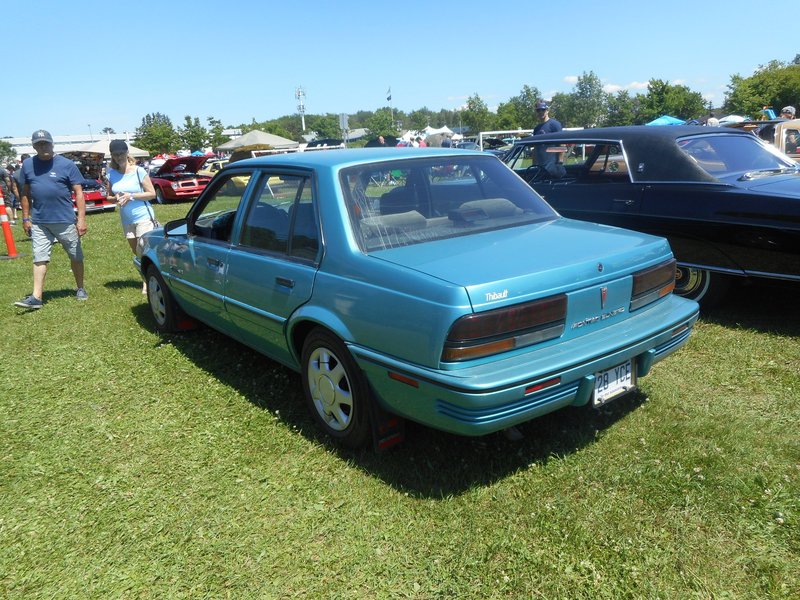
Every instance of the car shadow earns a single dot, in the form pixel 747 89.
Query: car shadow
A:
pixel 124 284
pixel 416 466
pixel 765 305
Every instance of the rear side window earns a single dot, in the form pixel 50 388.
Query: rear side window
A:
pixel 281 218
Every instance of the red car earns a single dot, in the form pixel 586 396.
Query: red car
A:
pixel 94 193
pixel 177 179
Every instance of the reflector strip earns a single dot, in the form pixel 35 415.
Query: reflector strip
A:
pixel 543 385
pixel 403 379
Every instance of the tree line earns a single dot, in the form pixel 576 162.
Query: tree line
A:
pixel 586 105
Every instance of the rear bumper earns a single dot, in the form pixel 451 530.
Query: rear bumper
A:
pixel 489 397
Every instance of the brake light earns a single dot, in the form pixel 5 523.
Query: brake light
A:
pixel 504 329
pixel 653 283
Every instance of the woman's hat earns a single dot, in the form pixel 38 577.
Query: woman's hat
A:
pixel 117 146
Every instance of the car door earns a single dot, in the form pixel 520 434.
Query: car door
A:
pixel 198 269
pixel 590 182
pixel 271 268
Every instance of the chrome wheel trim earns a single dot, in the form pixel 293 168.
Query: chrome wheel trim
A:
pixel 330 388
pixel 155 296
pixel 692 282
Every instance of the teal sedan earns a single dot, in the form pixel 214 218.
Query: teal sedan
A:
pixel 425 284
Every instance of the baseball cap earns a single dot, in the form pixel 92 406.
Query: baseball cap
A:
pixel 117 146
pixel 40 135
pixel 542 105
pixel 788 109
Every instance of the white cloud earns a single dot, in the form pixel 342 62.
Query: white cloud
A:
pixel 572 79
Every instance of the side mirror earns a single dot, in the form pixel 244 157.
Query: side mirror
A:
pixel 176 227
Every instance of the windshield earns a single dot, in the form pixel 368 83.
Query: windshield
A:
pixel 726 156
pixel 404 202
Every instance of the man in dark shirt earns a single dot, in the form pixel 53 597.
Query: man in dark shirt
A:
pixel 547 161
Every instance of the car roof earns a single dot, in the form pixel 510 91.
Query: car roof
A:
pixel 650 150
pixel 334 159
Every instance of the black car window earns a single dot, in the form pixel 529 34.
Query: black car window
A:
pixel 214 217
pixel 284 204
pixel 733 155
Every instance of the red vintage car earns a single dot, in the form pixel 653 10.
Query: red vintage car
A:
pixel 94 193
pixel 177 179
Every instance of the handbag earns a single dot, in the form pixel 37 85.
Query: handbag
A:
pixel 156 224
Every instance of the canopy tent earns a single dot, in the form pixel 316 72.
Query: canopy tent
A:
pixel 666 120
pixel 731 119
pixel 101 147
pixel 442 130
pixel 256 138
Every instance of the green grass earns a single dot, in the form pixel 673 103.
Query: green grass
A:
pixel 134 465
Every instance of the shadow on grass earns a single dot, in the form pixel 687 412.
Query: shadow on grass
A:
pixel 431 463
pixel 123 284
pixel 763 305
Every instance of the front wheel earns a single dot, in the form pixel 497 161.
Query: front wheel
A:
pixel 703 286
pixel 160 196
pixel 336 392
pixel 166 312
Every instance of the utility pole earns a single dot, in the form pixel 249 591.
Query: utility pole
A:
pixel 300 94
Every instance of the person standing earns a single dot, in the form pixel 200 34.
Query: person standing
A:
pixel 130 186
pixel 788 112
pixel 8 194
pixel 546 124
pixel 48 181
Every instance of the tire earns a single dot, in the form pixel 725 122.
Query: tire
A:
pixel 336 392
pixel 166 313
pixel 701 285
pixel 160 197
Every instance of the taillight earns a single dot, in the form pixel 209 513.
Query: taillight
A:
pixel 653 283
pixel 503 329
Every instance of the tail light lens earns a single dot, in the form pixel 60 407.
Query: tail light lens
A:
pixel 503 329
pixel 653 283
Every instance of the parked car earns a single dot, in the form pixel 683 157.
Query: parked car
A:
pixel 94 195
pixel 728 202
pixel 212 166
pixel 178 179
pixel 458 299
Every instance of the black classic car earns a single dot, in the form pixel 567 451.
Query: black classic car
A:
pixel 728 202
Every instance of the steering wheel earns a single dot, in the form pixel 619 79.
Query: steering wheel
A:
pixel 532 173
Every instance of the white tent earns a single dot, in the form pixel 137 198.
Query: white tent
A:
pixel 101 147
pixel 442 130
pixel 258 138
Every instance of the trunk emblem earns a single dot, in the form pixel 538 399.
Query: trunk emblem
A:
pixel 603 296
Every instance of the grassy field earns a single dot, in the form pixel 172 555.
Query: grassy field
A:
pixel 134 465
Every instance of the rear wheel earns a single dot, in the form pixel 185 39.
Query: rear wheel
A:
pixel 165 311
pixel 703 286
pixel 160 197
pixel 336 392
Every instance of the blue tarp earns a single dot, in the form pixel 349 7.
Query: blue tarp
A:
pixel 666 120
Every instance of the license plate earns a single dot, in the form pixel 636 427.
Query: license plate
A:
pixel 89 203
pixel 613 382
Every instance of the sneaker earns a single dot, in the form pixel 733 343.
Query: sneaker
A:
pixel 29 302
pixel 81 294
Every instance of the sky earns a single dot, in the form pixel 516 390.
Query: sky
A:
pixel 76 67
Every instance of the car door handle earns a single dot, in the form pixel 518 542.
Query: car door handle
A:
pixel 213 263
pixel 625 201
pixel 284 282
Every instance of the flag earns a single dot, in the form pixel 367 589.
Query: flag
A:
pixel 389 94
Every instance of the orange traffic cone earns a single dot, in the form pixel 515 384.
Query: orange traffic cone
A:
pixel 12 249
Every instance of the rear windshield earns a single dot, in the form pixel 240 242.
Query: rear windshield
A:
pixel 733 155
pixel 404 202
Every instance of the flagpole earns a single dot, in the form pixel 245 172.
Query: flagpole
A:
pixel 391 110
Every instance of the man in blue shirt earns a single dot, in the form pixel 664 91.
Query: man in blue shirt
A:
pixel 48 181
